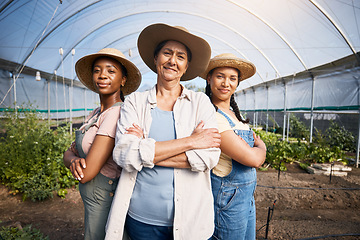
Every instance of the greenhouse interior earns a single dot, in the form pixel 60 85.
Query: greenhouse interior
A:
pixel 303 100
pixel 306 54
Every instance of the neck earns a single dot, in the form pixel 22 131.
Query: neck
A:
pixel 223 105
pixel 106 101
pixel 168 89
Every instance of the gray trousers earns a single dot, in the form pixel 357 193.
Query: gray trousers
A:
pixel 97 196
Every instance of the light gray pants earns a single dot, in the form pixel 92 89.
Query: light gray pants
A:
pixel 97 196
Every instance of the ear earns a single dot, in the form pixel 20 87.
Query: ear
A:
pixel 208 78
pixel 123 81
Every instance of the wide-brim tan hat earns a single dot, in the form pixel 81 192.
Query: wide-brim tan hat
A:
pixel 84 71
pixel 246 68
pixel 152 35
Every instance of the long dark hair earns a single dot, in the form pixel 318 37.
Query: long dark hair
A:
pixel 233 103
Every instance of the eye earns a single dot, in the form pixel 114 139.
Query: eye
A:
pixel 233 79
pixel 96 70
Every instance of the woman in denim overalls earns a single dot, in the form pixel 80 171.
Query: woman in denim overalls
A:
pixel 234 178
pixel 89 158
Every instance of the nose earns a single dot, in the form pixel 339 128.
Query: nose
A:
pixel 172 59
pixel 226 82
pixel 103 74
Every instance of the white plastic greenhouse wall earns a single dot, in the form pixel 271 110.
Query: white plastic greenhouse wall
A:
pixel 306 51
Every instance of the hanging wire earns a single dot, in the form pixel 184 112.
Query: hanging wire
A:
pixel 23 66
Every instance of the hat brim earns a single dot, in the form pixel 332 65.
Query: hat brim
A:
pixel 83 68
pixel 154 34
pixel 246 68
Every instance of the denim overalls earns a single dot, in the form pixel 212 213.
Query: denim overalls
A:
pixel 97 194
pixel 234 202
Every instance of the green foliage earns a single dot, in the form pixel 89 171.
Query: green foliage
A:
pixel 298 129
pixel 339 136
pixel 280 152
pixel 27 233
pixel 31 156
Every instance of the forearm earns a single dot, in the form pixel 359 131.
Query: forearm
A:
pixel 178 161
pixel 168 149
pixel 68 156
pixel 252 157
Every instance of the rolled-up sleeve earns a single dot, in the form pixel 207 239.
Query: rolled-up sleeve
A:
pixel 130 152
pixel 202 160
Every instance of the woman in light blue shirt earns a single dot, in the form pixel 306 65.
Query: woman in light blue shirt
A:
pixel 167 141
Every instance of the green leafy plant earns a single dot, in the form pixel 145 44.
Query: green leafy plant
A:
pixel 338 136
pixel 281 152
pixel 298 129
pixel 26 233
pixel 31 156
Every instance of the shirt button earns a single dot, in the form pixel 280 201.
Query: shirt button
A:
pixel 111 182
pixel 111 194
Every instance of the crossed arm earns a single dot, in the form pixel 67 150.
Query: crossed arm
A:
pixel 83 169
pixel 172 153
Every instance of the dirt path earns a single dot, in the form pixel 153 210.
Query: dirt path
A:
pixel 306 206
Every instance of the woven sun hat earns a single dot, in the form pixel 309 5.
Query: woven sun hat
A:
pixel 152 35
pixel 84 71
pixel 246 68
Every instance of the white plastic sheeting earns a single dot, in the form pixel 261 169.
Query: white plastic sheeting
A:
pixel 281 37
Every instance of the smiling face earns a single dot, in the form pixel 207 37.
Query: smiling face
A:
pixel 171 61
pixel 223 83
pixel 108 76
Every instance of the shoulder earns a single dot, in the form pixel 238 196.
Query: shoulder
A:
pixel 196 96
pixel 112 113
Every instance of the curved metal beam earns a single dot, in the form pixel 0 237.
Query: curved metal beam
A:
pixel 337 27
pixel 54 28
pixel 275 31
pixel 204 33
pixel 192 14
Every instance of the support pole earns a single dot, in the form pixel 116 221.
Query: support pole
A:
pixel 284 122
pixel 71 89
pixel 288 127
pixel 312 108
pixel 254 122
pixel 85 113
pixel 48 100
pixel 358 140
pixel 267 107
pixel 13 75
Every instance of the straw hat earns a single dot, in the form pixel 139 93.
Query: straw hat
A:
pixel 83 68
pixel 246 68
pixel 152 35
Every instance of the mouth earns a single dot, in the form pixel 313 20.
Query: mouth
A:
pixel 170 69
pixel 102 85
pixel 223 90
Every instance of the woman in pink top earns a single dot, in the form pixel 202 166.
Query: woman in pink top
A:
pixel 89 158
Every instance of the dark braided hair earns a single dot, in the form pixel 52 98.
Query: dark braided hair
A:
pixel 122 95
pixel 236 110
pixel 233 103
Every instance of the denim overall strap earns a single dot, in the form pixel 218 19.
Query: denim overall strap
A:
pixel 232 124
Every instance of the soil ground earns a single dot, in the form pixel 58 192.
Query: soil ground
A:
pixel 307 206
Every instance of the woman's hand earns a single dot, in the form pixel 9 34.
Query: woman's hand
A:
pixel 77 165
pixel 258 142
pixel 135 130
pixel 205 138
